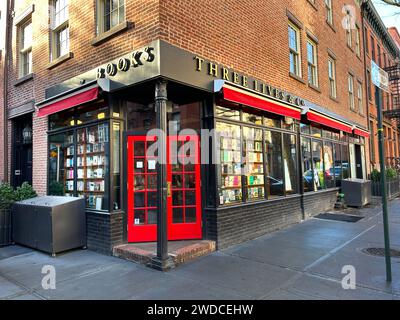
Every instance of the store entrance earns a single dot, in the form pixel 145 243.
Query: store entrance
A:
pixel 22 151
pixel 184 195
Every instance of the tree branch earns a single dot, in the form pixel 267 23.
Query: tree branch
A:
pixel 393 2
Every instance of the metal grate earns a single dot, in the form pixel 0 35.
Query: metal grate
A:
pixel 380 252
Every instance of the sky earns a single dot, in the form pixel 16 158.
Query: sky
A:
pixel 390 14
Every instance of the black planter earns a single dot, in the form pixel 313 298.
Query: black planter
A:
pixel 5 227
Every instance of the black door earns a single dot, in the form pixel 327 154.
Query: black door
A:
pixel 22 151
pixel 359 171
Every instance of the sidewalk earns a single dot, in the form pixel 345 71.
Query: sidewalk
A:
pixel 301 262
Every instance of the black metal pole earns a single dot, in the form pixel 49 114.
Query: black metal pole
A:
pixel 383 188
pixel 161 261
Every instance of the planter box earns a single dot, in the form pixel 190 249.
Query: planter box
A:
pixel 5 227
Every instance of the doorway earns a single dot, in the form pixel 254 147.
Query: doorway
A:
pixel 184 195
pixel 22 150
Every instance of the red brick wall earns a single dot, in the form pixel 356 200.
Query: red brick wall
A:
pixel 249 36
pixel 391 146
pixel 142 13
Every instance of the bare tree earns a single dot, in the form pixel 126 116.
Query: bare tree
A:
pixel 392 2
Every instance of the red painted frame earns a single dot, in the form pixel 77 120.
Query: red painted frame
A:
pixel 176 231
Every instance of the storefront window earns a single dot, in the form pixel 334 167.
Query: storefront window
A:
pixel 79 164
pixel 316 132
pixel 227 113
pixel 307 164
pixel 253 163
pixel 345 162
pixel 140 117
pixel 92 165
pixel 116 171
pixel 290 163
pixel 327 134
pixel 273 153
pixel 272 122
pixel 304 128
pixel 61 163
pixel 252 118
pixel 318 165
pixel 338 164
pixel 329 165
pixel 288 124
pixel 62 119
pixel 230 184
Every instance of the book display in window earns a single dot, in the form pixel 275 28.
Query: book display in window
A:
pixel 253 162
pixel 230 160
pixel 69 167
pixel 91 165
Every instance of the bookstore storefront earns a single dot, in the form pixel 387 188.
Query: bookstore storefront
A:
pixel 277 161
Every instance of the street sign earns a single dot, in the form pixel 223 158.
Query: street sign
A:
pixel 379 77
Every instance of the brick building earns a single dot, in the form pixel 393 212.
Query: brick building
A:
pixel 381 48
pixel 282 86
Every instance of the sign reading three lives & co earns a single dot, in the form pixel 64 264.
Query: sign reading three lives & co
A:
pixel 217 71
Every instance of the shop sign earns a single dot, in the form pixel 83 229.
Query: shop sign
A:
pixel 124 64
pixel 221 72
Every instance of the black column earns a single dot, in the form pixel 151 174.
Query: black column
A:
pixel 162 261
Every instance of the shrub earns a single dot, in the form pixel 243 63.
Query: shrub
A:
pixel 391 173
pixel 8 195
pixel 25 191
pixel 375 175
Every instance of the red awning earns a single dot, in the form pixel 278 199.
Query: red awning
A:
pixel 361 132
pixel 254 100
pixel 329 122
pixel 69 101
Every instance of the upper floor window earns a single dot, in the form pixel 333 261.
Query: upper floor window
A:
pixel 110 13
pixel 351 91
pixel 360 98
pixel 373 48
pixel 312 63
pixel 25 51
pixel 60 29
pixel 332 77
pixel 379 56
pixel 329 11
pixel 294 50
pixel 358 42
pixel 369 89
pixel 348 31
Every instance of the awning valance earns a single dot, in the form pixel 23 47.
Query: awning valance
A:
pixel 70 100
pixel 252 99
pixel 329 121
pixel 361 132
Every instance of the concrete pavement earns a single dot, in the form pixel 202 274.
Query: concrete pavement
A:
pixel 302 262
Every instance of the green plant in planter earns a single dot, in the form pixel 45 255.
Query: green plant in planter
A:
pixel 7 195
pixel 375 175
pixel 25 191
pixel 391 173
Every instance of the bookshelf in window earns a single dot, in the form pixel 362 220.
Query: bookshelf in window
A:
pixel 230 190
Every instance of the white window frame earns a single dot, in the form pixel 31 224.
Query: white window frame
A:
pixel 360 98
pixel 296 53
pixel 312 66
pixel 56 29
pixel 25 53
pixel 332 77
pixel 329 11
pixel 358 41
pixel 101 14
pixel 350 87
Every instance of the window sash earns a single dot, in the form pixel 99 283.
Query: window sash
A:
pixel 110 14
pixel 358 49
pixel 351 91
pixel 329 13
pixel 332 77
pixel 294 50
pixel 312 63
